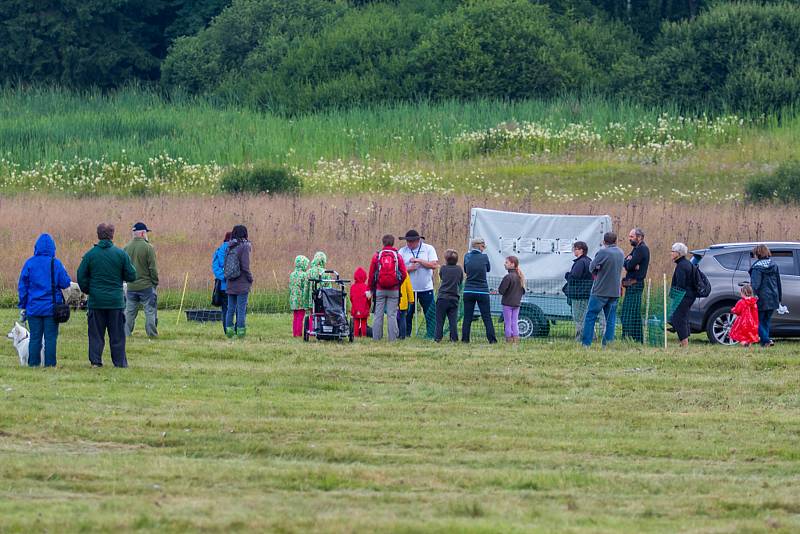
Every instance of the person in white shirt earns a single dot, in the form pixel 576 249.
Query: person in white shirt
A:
pixel 421 261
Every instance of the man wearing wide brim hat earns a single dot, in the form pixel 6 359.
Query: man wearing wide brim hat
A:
pixel 421 262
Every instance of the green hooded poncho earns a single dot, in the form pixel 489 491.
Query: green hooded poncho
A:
pixel 298 285
pixel 317 270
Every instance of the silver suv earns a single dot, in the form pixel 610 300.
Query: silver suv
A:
pixel 727 265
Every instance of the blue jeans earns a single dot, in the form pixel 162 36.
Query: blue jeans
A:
pixel 608 305
pixel 237 304
pixel 224 311
pixel 764 324
pixel 42 326
pixel 425 299
pixel 402 327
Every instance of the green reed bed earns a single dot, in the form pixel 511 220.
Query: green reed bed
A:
pixel 136 142
pixel 46 124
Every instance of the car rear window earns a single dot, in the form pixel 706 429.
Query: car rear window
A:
pixel 730 260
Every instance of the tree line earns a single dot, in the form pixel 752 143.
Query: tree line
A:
pixel 295 56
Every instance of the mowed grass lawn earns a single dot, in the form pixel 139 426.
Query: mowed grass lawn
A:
pixel 271 434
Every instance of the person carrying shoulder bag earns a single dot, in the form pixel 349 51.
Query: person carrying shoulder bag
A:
pixel 40 300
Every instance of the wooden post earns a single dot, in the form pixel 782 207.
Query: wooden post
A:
pixel 277 284
pixel 665 310
pixel 183 296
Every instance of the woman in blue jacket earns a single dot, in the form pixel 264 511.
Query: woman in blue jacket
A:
pixel 218 266
pixel 39 274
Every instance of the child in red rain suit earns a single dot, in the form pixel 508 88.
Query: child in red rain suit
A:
pixel 360 302
pixel 745 327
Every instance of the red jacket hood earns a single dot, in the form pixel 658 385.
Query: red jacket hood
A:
pixel 750 302
pixel 360 275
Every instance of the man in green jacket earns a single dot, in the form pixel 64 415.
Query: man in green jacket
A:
pixel 102 271
pixel 143 290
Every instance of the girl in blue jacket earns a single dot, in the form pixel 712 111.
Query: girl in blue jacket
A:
pixel 218 266
pixel 36 299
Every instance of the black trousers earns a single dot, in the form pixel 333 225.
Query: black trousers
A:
pixel 113 322
pixel 482 300
pixel 446 307
pixel 680 317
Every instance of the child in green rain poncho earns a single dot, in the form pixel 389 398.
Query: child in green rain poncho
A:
pixel 317 271
pixel 299 294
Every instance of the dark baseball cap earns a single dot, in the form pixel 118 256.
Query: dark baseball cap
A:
pixel 140 227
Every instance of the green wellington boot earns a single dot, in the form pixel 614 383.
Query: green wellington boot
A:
pixel 241 332
pixel 230 332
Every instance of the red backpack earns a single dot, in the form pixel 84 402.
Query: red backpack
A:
pixel 388 275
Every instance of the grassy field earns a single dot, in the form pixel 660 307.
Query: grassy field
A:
pixel 270 434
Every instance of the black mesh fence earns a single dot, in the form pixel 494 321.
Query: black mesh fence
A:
pixel 550 310
pixel 553 310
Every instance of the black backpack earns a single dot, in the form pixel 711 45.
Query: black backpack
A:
pixel 701 284
pixel 232 268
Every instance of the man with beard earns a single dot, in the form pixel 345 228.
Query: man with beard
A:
pixel 636 264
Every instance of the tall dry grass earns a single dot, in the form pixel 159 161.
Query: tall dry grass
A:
pixel 186 230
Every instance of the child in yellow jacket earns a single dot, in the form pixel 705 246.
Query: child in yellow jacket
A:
pixel 406 300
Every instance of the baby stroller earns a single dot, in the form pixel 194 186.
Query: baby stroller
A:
pixel 328 319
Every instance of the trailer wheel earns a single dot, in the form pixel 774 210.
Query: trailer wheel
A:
pixel 532 322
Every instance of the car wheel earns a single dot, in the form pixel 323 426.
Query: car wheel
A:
pixel 718 327
pixel 532 323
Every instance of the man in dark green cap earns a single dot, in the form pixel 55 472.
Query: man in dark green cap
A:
pixel 102 271
pixel 142 291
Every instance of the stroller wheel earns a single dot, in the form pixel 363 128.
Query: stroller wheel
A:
pixel 351 331
pixel 306 328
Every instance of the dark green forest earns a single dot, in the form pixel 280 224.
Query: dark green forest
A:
pixel 296 56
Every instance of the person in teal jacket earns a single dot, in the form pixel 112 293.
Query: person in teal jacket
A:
pixel 218 266
pixel 102 271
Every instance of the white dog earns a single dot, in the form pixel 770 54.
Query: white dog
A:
pixel 20 337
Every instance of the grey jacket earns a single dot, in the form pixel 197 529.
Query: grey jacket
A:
pixel 607 269
pixel 241 285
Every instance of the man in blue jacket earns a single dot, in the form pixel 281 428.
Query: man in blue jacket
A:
pixel 606 268
pixel 36 296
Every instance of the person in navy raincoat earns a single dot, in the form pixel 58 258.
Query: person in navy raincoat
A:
pixel 36 299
